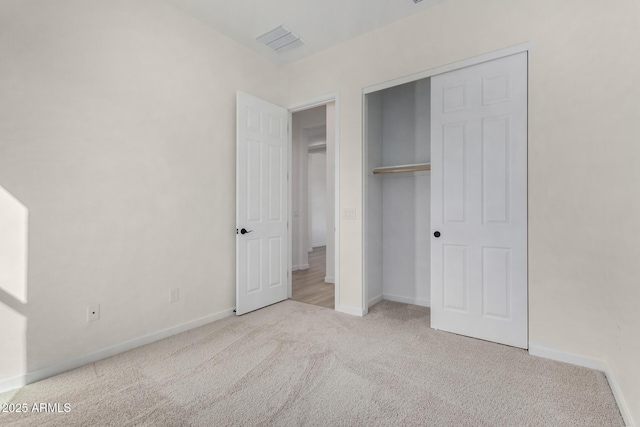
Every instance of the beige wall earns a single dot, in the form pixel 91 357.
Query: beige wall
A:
pixel 584 197
pixel 117 133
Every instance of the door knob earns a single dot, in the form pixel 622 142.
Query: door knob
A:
pixel 437 234
pixel 244 231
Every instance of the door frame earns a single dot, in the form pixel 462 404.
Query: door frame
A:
pixel 500 53
pixel 294 108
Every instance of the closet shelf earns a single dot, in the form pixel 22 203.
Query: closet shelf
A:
pixel 403 168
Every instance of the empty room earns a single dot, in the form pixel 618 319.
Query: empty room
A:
pixel 373 212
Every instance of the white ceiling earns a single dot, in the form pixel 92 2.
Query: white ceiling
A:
pixel 320 23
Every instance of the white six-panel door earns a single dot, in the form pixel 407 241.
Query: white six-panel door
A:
pixel 479 201
pixel 262 203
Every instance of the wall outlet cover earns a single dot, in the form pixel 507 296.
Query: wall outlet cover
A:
pixel 175 295
pixel 349 213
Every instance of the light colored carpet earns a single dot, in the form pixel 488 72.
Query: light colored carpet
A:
pixel 296 364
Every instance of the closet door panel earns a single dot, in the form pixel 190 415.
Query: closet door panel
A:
pixel 479 201
pixel 495 170
pixel 454 269
pixel 496 283
pixel 454 176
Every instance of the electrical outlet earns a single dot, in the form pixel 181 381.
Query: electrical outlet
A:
pixel 349 213
pixel 93 312
pixel 175 295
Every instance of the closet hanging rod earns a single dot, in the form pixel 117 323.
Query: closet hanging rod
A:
pixel 403 168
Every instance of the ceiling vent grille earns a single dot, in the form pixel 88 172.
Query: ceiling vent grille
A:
pixel 281 39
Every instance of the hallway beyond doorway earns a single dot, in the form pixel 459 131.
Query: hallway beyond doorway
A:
pixel 308 285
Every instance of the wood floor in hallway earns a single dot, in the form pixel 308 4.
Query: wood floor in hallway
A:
pixel 308 285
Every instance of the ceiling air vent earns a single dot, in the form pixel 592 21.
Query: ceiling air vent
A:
pixel 280 39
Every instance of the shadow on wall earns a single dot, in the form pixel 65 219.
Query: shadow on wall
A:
pixel 13 286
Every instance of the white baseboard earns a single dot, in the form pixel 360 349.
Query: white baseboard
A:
pixel 617 393
pixel 40 374
pixel 13 383
pixel 304 267
pixel 374 301
pixel 329 279
pixel 541 350
pixel 354 311
pixel 295 268
pixel 407 300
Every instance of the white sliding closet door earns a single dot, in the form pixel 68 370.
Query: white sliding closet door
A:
pixel 479 201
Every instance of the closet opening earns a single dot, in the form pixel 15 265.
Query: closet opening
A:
pixel 313 212
pixel 397 194
pixel 445 196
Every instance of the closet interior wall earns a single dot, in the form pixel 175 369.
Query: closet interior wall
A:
pixel 397 248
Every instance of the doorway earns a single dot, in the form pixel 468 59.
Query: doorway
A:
pixel 265 175
pixel 313 207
